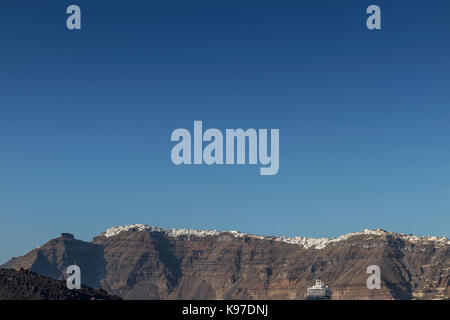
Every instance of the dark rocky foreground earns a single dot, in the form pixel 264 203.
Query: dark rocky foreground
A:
pixel 27 285
pixel 142 263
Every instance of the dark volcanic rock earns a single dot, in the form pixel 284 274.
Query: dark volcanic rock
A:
pixel 27 285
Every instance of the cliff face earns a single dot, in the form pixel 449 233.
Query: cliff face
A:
pixel 141 262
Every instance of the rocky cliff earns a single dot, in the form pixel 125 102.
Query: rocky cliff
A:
pixel 144 262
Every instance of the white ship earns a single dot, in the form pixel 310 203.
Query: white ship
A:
pixel 318 292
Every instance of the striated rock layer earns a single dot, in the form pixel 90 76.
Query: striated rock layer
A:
pixel 145 262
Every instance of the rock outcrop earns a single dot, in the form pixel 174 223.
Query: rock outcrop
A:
pixel 27 285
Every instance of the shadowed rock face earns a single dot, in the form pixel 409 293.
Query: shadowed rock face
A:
pixel 149 264
pixel 27 285
pixel 53 258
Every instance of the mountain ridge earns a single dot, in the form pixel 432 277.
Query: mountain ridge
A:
pixel 144 262
pixel 306 242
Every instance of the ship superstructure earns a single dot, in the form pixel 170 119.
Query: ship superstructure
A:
pixel 319 291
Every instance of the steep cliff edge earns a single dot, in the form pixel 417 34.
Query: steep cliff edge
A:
pixel 144 262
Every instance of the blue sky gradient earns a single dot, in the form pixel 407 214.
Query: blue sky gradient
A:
pixel 86 116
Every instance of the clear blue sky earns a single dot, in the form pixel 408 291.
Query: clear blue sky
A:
pixel 86 116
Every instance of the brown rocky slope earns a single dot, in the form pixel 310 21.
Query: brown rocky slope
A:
pixel 143 262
